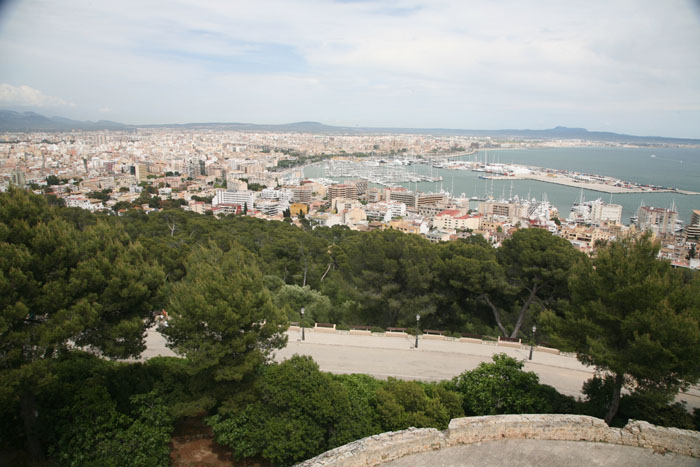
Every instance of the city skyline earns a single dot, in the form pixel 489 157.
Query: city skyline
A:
pixel 624 67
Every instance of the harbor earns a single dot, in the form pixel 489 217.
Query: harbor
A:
pixel 467 176
pixel 605 185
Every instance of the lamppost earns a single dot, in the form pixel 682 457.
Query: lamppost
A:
pixel 417 328
pixel 302 324
pixel 532 344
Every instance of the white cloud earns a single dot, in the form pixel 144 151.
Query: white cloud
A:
pixel 27 96
pixel 105 109
pixel 389 63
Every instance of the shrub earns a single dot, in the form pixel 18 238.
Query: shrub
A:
pixel 503 387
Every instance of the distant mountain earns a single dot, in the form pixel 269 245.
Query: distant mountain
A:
pixel 31 121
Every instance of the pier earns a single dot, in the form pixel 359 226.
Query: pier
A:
pixel 588 185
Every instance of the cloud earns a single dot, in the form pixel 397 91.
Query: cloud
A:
pixel 105 109
pixel 385 62
pixel 28 96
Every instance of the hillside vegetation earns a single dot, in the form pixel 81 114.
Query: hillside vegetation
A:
pixel 78 290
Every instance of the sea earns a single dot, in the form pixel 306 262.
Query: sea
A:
pixel 670 167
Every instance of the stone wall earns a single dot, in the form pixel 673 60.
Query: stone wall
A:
pixel 378 449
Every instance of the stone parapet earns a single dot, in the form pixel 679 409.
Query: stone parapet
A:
pixel 537 426
pixel 379 449
pixel 539 348
pixel 514 345
pixel 661 439
pixel 435 337
pixel 470 340
pixel 395 334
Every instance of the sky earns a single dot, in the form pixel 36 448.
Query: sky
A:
pixel 627 66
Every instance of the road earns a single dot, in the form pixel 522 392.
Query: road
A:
pixel 434 360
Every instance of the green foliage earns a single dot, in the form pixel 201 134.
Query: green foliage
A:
pixel 402 404
pixel 467 271
pixel 503 387
pixel 61 286
pixel 222 319
pixel 299 412
pixel 256 187
pixel 98 195
pixel 634 316
pixel 205 199
pixel 101 435
pixel 172 203
pixel 119 205
pixel 52 180
pixel 390 274
pixel 536 265
pixel 653 407
pixel 290 298
pixel 53 200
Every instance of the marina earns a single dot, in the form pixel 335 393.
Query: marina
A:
pixel 378 171
pixel 671 167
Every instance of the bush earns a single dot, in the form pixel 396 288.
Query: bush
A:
pixel 502 387
pixel 402 404
pixel 300 412
pixel 100 435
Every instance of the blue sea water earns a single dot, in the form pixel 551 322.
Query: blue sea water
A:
pixel 672 167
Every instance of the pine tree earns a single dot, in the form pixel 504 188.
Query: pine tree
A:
pixel 62 288
pixel 223 319
pixel 634 317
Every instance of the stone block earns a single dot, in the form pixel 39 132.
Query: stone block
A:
pixel 539 348
pixel 471 340
pixel 395 334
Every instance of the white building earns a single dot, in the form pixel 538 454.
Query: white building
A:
pixel 83 203
pixel 234 197
pixel 603 212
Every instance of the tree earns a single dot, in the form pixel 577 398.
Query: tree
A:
pixel 61 287
pixel 389 273
pixel 635 318
pixel 467 271
pixel 222 319
pixel 98 195
pixel 291 298
pixel 536 264
pixel 119 205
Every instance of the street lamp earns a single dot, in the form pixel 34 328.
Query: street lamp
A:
pixel 532 344
pixel 417 321
pixel 302 324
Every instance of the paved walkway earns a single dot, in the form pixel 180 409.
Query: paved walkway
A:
pixel 530 452
pixel 434 360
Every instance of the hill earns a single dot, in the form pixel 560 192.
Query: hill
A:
pixel 31 121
